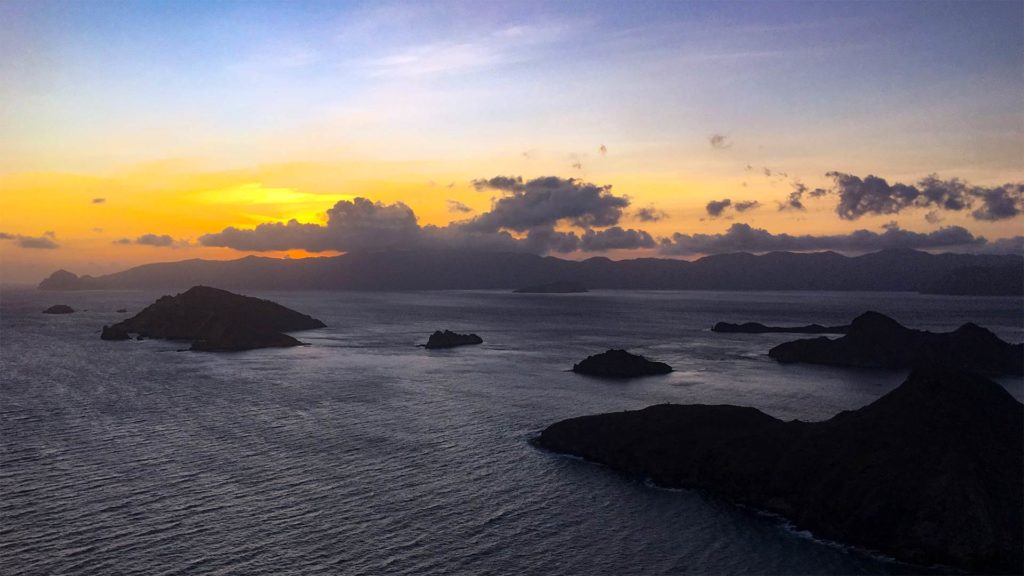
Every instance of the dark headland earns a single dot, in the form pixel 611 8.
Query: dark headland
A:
pixel 758 328
pixel 59 309
pixel 929 473
pixel 620 364
pixel 449 339
pixel 563 287
pixel 215 320
pixel 876 341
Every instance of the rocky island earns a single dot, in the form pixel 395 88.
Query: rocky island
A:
pixel 215 320
pixel 59 309
pixel 449 339
pixel 758 328
pixel 930 473
pixel 562 287
pixel 620 364
pixel 877 341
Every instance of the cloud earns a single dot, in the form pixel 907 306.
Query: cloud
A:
pixel 157 240
pixel 98 200
pixel 503 183
pixel 615 238
pixel 456 206
pixel 716 207
pixel 649 214
pixel 744 238
pixel 528 216
pixel 719 142
pixel 546 201
pixel 351 225
pixel 874 195
pixel 44 242
pixel 795 199
pixel 999 203
pixel 1012 245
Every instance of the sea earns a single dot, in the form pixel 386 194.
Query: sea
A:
pixel 363 453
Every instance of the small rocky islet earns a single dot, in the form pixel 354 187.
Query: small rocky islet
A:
pixel 929 473
pixel 448 339
pixel 758 328
pixel 215 320
pixel 59 309
pixel 619 364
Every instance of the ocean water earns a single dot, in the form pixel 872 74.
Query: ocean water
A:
pixel 365 454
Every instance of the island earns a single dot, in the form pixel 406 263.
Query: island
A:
pixel 758 328
pixel 620 364
pixel 215 320
pixel 59 309
pixel 930 473
pixel 561 287
pixel 449 339
pixel 876 341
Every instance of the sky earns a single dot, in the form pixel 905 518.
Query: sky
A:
pixel 136 132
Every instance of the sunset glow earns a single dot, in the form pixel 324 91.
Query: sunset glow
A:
pixel 180 120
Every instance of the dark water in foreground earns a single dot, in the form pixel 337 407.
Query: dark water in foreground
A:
pixel 363 454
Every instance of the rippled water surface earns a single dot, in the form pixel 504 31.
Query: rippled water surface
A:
pixel 364 454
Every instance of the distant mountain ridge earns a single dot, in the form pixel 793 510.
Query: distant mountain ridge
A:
pixel 887 270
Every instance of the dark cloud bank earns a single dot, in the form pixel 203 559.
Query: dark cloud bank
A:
pixel 744 238
pixel 532 216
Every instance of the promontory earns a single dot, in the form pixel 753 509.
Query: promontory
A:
pixel 930 473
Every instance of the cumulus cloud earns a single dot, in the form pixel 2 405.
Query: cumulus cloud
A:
pixel 874 195
pixel 158 240
pixel 744 238
pixel 615 238
pixel 44 242
pixel 719 141
pixel 999 203
pixel 456 206
pixel 747 205
pixel 351 225
pixel 649 214
pixel 716 207
pixel 546 201
pixel 98 200
pixel 528 215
